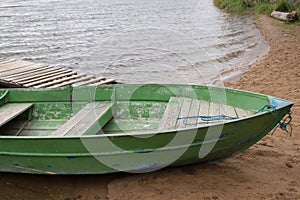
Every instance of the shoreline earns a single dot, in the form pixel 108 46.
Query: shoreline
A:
pixel 268 170
pixel 277 74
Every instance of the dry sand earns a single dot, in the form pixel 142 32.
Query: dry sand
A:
pixel 268 170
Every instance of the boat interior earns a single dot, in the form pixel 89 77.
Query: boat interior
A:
pixel 65 118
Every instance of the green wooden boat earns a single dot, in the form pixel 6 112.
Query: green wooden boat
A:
pixel 129 128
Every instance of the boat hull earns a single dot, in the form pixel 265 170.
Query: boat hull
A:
pixel 138 152
pixel 43 156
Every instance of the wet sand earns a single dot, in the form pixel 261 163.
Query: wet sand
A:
pixel 268 170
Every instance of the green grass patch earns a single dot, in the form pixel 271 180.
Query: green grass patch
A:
pixel 264 8
pixel 258 6
pixel 231 5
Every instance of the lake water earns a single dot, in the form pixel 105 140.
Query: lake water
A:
pixel 133 41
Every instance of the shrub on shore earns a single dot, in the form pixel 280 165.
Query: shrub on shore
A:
pixel 260 6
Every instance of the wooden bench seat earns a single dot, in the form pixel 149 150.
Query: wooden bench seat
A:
pixel 10 111
pixel 179 109
pixel 171 114
pixel 89 120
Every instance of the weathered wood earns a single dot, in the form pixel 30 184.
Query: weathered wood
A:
pixel 85 121
pixel 16 73
pixel 4 61
pixel 59 80
pixel 86 77
pixel 23 80
pixel 51 78
pixel 23 71
pixel 11 110
pixel 293 16
pixel 106 81
pixel 214 109
pixel 13 65
pixel 184 112
pixel 194 111
pixel 89 82
pixel 204 110
pixel 30 73
pixel 241 112
pixel 46 75
pixel 230 111
pixel 171 114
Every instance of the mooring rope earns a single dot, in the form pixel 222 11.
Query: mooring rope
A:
pixel 209 117
pixel 266 108
pixel 286 122
pixel 206 118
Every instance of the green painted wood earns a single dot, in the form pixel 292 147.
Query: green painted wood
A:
pixel 20 95
pixel 83 121
pixel 3 97
pixel 11 110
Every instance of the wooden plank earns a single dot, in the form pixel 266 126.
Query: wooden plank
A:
pixel 12 110
pixel 73 81
pixel 46 80
pixel 184 112
pixel 23 73
pixel 204 110
pixel 80 115
pixel 85 119
pixel 18 73
pixel 28 132
pixel 31 69
pixel 36 75
pixel 58 81
pixel 10 66
pixel 194 111
pixel 241 112
pixel 46 75
pixel 171 114
pixel 89 81
pixel 14 65
pixel 4 61
pixel 214 109
pixel 250 112
pixel 230 111
pixel 107 81
pixel 95 121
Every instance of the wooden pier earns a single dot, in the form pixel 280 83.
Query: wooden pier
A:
pixel 25 74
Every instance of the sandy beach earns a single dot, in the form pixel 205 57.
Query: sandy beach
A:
pixel 268 170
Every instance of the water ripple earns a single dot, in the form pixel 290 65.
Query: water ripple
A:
pixel 150 40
